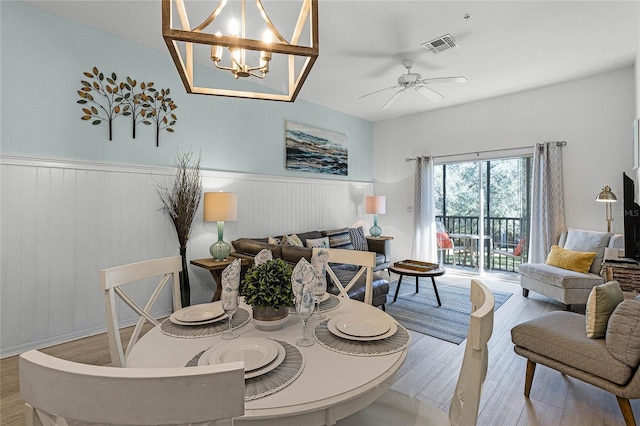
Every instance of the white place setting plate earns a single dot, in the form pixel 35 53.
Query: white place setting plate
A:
pixel 362 326
pixel 256 353
pixel 269 367
pixel 209 321
pixel 334 329
pixel 199 313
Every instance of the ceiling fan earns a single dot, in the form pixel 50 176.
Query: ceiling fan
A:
pixel 415 81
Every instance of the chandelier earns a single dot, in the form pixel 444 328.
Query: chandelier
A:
pixel 240 56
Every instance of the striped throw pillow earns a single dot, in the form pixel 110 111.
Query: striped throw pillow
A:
pixel 339 238
pixel 358 239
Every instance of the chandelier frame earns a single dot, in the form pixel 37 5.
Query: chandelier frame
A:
pixel 308 13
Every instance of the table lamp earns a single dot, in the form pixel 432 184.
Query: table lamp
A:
pixel 220 207
pixel 608 197
pixel 375 205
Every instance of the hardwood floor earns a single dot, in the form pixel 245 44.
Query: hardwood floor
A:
pixel 430 373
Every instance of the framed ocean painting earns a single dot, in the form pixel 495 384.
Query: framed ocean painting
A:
pixel 310 149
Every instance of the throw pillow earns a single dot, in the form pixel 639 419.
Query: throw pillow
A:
pixel 518 250
pixel 591 241
pixel 274 240
pixel 318 242
pixel 623 333
pixel 572 260
pixel 358 240
pixel 444 240
pixel 339 238
pixel 601 303
pixel 292 240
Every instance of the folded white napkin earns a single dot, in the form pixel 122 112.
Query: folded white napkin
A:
pixel 305 303
pixel 303 275
pixel 231 280
pixel 319 263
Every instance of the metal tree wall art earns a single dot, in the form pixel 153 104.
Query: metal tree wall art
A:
pixel 159 107
pixel 143 103
pixel 134 101
pixel 107 107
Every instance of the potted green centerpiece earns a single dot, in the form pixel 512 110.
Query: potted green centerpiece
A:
pixel 267 288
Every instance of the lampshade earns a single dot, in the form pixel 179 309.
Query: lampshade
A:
pixel 376 204
pixel 220 206
pixel 606 196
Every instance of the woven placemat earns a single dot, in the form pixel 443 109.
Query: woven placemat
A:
pixel 330 304
pixel 273 381
pixel 240 318
pixel 389 345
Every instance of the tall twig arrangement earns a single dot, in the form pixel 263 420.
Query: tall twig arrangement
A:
pixel 180 201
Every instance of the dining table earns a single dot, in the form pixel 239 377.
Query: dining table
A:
pixel 314 385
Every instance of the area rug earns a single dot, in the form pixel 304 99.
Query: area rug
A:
pixel 420 312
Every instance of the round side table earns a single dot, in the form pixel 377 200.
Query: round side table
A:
pixel 439 271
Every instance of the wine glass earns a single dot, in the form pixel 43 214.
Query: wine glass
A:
pixel 319 290
pixel 304 309
pixel 230 306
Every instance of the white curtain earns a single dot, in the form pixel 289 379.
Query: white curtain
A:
pixel 424 224
pixel 547 200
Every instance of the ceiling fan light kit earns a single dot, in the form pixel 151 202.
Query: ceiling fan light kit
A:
pixel 183 40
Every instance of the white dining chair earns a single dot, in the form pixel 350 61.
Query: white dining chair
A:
pixel 112 281
pixel 60 392
pixel 364 260
pixel 397 409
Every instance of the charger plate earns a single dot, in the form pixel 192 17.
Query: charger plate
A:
pixel 330 303
pixel 397 342
pixel 198 313
pixel 240 318
pixel 256 353
pixel 273 381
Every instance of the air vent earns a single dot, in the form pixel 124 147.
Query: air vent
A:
pixel 440 44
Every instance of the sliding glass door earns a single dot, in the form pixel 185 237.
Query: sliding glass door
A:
pixel 484 206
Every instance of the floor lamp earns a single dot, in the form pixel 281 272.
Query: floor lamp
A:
pixel 608 197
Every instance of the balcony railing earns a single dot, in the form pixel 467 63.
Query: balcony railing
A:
pixel 505 232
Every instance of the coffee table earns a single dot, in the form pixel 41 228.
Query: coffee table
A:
pixel 439 271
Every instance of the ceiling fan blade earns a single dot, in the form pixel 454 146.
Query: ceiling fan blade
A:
pixel 432 95
pixel 378 91
pixel 458 79
pixel 391 99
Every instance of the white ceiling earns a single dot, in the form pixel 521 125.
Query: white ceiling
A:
pixel 506 46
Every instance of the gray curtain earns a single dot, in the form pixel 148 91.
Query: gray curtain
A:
pixel 547 200
pixel 424 224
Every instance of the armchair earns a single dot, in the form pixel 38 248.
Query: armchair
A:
pixel 564 285
pixel 558 340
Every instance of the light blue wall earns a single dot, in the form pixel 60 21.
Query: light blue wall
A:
pixel 43 60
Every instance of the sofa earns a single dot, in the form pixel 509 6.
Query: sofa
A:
pixel 247 248
pixel 565 285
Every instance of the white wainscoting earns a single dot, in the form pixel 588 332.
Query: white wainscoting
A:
pixel 63 221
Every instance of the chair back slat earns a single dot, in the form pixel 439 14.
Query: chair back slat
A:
pixel 364 259
pixel 112 281
pixel 131 396
pixel 466 398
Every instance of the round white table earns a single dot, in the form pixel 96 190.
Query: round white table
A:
pixel 331 386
